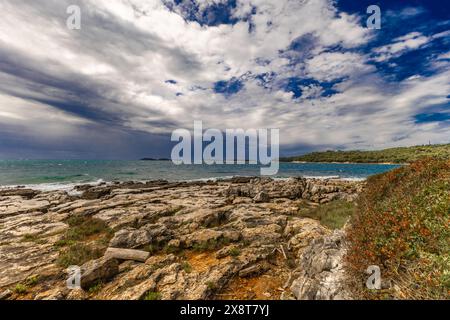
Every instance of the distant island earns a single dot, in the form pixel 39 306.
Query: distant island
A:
pixel 392 155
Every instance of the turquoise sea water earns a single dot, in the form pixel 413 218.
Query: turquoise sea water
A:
pixel 54 173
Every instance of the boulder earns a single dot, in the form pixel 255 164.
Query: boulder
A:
pixel 102 269
pixel 95 193
pixel 134 238
pixel 261 197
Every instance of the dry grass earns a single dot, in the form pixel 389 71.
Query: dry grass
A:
pixel 85 239
pixel 402 225
pixel 333 215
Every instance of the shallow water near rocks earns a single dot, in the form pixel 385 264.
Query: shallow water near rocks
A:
pixel 62 174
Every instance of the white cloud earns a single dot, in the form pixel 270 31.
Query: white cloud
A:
pixel 117 66
pixel 330 66
pixel 408 42
pixel 411 12
pixel 444 56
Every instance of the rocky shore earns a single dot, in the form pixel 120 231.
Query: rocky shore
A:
pixel 236 239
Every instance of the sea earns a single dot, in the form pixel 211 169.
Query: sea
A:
pixel 48 175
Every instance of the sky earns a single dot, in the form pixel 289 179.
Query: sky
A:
pixel 139 69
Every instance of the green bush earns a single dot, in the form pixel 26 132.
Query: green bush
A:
pixel 20 288
pixel 234 252
pixel 152 296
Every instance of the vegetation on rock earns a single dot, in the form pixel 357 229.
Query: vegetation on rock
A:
pixel 402 225
pixel 152 296
pixel 84 240
pixel 333 215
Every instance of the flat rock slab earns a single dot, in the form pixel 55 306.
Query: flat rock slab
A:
pixel 127 254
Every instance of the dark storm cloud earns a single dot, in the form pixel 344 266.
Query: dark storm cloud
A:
pixel 138 69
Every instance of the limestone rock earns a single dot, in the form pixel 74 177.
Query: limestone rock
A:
pixel 77 294
pixel 5 294
pixel 102 269
pixel 320 274
pixel 261 197
pixel 53 294
pixel 95 193
pixel 24 193
pixel 254 217
pixel 253 270
pixel 226 251
pixel 302 232
pixel 201 237
pixel 126 254
pixel 135 238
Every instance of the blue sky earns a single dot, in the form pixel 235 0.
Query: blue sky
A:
pixel 139 69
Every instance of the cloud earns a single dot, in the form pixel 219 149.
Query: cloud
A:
pixel 411 41
pixel 334 65
pixel 409 12
pixel 139 69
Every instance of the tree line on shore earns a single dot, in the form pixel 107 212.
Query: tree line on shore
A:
pixel 392 155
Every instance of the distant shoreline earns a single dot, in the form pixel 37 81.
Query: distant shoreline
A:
pixel 348 162
pixel 392 156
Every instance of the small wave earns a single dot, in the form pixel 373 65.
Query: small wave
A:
pixel 55 186
pixel 336 178
pixel 210 179
pixel 354 179
pixel 322 177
